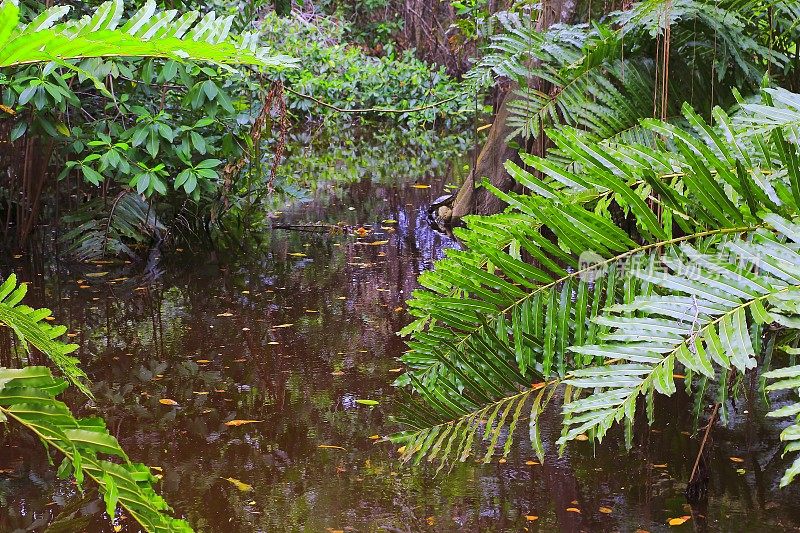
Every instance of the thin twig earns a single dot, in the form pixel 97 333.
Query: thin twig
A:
pixel 703 442
pixel 371 109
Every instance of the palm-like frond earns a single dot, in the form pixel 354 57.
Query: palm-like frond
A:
pixel 28 398
pixel 31 328
pixel 106 228
pixel 788 379
pixel 148 33
pixel 597 295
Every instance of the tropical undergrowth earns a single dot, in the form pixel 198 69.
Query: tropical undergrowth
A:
pixel 87 451
pixel 629 265
pixel 200 142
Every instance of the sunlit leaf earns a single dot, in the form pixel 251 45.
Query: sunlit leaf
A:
pixel 241 422
pixel 242 486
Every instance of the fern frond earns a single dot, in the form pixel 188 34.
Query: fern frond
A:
pixel 148 33
pixel 28 398
pixel 787 378
pixel 31 328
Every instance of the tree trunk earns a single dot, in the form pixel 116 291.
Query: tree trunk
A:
pixel 497 150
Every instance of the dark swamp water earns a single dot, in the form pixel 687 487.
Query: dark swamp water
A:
pixel 292 338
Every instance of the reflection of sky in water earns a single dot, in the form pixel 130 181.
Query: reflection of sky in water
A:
pixel 208 335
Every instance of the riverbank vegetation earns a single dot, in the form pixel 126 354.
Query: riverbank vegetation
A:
pixel 629 225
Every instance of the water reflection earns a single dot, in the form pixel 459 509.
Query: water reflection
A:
pixel 290 340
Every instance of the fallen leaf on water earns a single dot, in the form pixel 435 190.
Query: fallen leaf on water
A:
pixel 741 471
pixel 660 466
pixel 421 186
pixel 367 402
pixel 225 314
pixel 502 461
pixel 361 232
pixel 84 286
pixel 395 370
pixel 431 520
pixel 273 343
pixel 374 437
pixel 606 510
pixel 311 311
pixel 389 221
pixel 331 447
pixel 531 517
pixel 736 459
pixel 200 392
pixel 678 521
pixel 241 422
pixel 96 274
pixel 167 401
pixel 298 254
pixel 531 463
pixel 582 436
pixel 573 510
pixel 283 326
pixel 241 485
pixel 203 361
pixel 377 243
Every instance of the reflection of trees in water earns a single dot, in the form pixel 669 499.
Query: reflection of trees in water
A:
pixel 129 337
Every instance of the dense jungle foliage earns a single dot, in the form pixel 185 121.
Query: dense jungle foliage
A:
pixel 630 219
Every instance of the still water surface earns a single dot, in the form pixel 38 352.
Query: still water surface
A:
pixel 292 338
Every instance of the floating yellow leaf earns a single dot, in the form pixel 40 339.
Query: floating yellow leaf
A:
pixel 241 422
pixel 200 392
pixel 331 447
pixel 573 510
pixel 660 466
pixel 361 232
pixel 374 437
pixel 96 274
pixel 167 401
pixel 203 361
pixel 377 243
pixel 241 485
pixel 298 254
pixel 431 520
pixel 678 521
pixel 606 510
pixel 421 186
pixel 389 221
pixel 502 461
pixel 736 459
pixel 531 463
pixel 741 471
pixel 395 370
pixel 531 517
